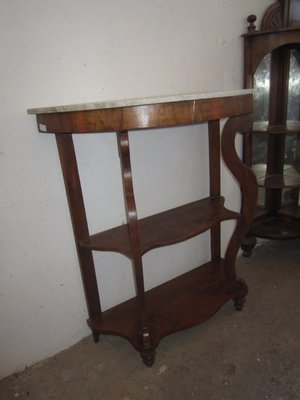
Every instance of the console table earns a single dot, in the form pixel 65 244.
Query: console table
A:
pixel 192 297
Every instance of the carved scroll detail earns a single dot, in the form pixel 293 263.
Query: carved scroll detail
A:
pixel 272 18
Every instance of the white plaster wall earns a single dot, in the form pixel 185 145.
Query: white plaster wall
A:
pixel 70 51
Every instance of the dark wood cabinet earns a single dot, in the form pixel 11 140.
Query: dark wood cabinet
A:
pixel 272 69
pixel 192 297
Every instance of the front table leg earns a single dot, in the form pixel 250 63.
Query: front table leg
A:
pixel 79 221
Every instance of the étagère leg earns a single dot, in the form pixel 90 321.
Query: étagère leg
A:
pixel 249 241
pixel 215 182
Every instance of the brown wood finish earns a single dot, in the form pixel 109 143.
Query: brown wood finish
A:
pixel 168 227
pixel 273 17
pixel 145 116
pixel 190 298
pixel 177 304
pixel 277 38
pixel 257 44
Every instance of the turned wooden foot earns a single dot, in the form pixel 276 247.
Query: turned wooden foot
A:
pixel 239 302
pixel 148 358
pixel 247 245
pixel 239 291
pixel 148 353
pixel 96 336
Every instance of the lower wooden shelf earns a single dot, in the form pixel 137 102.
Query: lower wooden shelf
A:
pixel 292 211
pixel 180 303
pixel 276 227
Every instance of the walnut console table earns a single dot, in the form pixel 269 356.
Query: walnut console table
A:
pixel 194 296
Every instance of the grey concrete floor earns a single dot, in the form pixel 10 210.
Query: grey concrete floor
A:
pixel 249 355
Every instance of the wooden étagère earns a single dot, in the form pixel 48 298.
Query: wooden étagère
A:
pixel 194 296
pixel 272 69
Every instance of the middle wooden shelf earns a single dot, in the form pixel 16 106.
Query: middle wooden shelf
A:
pixel 165 228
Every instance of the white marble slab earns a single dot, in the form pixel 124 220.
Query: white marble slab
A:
pixel 135 102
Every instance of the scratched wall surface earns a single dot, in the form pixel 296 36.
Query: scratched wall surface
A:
pixel 61 52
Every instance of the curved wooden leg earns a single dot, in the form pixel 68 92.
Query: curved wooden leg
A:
pixel 248 244
pixel 248 186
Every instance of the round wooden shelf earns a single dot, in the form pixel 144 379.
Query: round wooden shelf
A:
pixel 277 227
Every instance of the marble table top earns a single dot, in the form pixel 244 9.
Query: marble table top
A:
pixel 136 102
